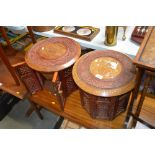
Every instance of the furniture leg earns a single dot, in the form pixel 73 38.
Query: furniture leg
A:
pixel 36 110
pixel 29 111
pixel 139 107
pixel 58 91
pixel 31 34
pixel 4 35
pixel 59 123
pixel 8 65
pixel 134 94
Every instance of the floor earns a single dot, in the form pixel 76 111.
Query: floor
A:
pixel 16 118
pixel 71 125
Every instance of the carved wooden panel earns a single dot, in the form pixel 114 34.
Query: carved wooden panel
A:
pixel 104 107
pixel 67 83
pixel 29 77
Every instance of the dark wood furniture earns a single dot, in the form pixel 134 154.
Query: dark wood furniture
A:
pixel 73 109
pixel 75 112
pixel 105 79
pixel 56 55
pixel 144 61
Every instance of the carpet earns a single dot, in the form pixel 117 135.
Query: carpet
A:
pixel 16 118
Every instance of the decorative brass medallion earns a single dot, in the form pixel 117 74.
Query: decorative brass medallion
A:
pixel 105 68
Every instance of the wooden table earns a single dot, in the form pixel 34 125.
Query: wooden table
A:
pixel 144 61
pixel 76 113
pixel 55 55
pixel 8 79
pixel 73 110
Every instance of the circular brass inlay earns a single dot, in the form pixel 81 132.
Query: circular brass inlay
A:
pixel 105 68
pixel 52 51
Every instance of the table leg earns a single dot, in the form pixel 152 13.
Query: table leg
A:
pixel 59 123
pixel 4 35
pixel 134 94
pixel 58 90
pixel 37 110
pixel 8 65
pixel 139 107
pixel 31 34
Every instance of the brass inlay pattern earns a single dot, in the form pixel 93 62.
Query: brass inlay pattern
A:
pixel 84 78
pixel 52 51
pixel 105 68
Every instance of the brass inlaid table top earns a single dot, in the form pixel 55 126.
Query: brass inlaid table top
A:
pixel 104 73
pixel 105 68
pixel 53 54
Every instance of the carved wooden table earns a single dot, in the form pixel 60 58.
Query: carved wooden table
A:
pixel 57 55
pixel 105 79
pixel 145 62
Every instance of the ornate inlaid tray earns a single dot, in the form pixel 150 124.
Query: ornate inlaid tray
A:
pixel 53 54
pixel 145 57
pixel 81 32
pixel 104 73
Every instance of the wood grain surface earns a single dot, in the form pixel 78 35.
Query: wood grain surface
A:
pixel 74 111
pixel 145 57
